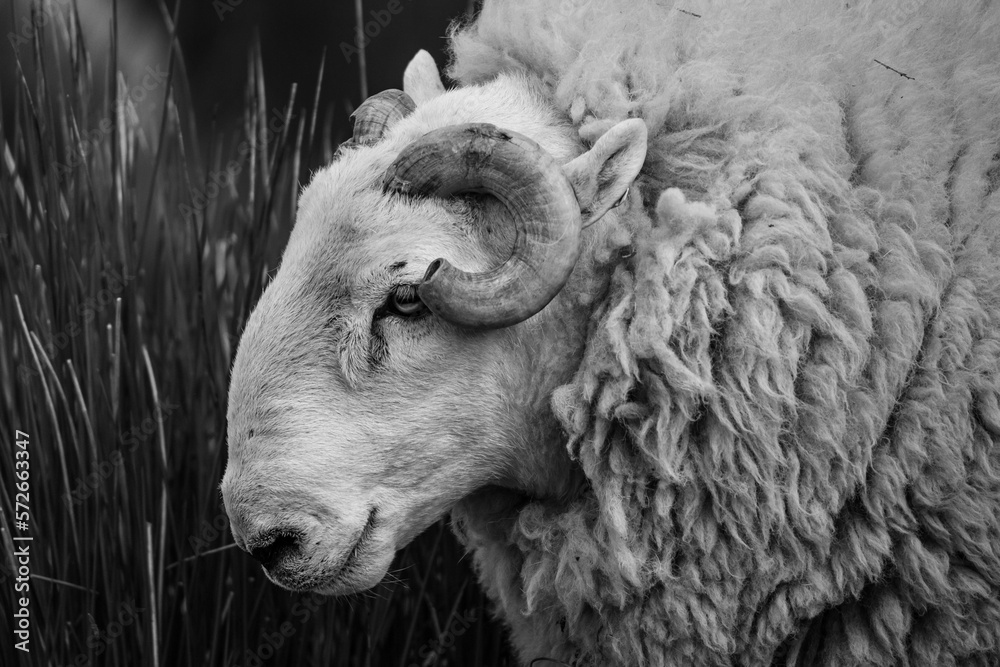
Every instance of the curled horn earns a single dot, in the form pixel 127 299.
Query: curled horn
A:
pixel 376 115
pixel 542 205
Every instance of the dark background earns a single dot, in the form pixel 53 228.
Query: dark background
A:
pixel 217 38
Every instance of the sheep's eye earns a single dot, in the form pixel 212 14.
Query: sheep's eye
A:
pixel 404 302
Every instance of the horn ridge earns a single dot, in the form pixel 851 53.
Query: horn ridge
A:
pixel 543 209
pixel 378 113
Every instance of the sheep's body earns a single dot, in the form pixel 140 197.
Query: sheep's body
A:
pixel 760 424
pixel 788 412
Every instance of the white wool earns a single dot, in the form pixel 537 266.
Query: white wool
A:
pixel 788 412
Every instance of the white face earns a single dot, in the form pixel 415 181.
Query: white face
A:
pixel 352 428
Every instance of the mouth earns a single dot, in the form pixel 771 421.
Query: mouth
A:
pixel 359 545
pixel 350 574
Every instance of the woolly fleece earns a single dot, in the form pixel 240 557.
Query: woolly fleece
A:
pixel 788 412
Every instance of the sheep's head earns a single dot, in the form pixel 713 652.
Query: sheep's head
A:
pixel 402 358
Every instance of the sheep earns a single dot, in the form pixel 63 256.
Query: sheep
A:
pixel 737 403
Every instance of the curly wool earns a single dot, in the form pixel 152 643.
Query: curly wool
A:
pixel 788 412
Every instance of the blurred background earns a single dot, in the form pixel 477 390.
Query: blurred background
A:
pixel 216 38
pixel 129 262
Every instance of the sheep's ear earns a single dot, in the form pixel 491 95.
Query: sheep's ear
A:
pixel 602 175
pixel 421 80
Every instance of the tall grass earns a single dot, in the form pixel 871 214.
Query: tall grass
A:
pixel 128 265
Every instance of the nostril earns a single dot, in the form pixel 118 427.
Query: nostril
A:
pixel 271 548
